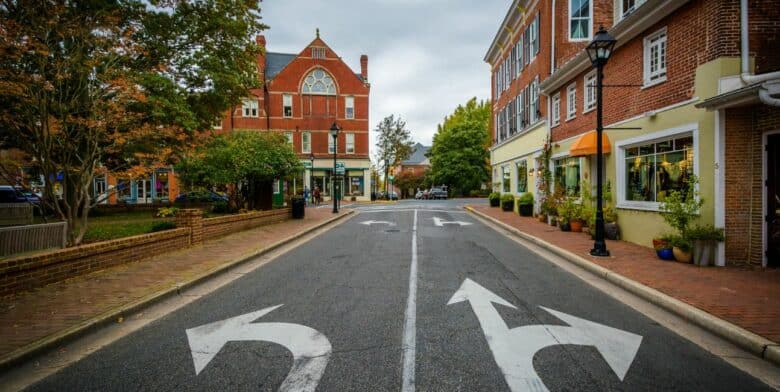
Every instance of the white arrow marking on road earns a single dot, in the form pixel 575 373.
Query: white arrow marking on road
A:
pixel 514 349
pixel 440 222
pixel 310 349
pixel 373 222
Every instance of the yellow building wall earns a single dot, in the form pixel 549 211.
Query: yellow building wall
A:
pixel 640 226
pixel 523 147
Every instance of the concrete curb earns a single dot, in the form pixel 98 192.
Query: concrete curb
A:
pixel 741 337
pixel 110 316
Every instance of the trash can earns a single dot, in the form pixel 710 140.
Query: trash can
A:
pixel 298 208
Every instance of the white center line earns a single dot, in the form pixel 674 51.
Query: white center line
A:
pixel 410 318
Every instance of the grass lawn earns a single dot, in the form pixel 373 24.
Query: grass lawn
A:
pixel 119 225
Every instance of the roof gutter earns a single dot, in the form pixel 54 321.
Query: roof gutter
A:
pixel 767 89
pixel 632 25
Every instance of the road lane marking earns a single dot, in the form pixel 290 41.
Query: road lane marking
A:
pixel 367 211
pixel 514 349
pixel 310 348
pixel 410 318
pixel 441 222
pixel 377 222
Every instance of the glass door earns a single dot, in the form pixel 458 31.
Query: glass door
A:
pixel 145 191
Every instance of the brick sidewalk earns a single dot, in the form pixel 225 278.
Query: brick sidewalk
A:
pixel 742 296
pixel 31 316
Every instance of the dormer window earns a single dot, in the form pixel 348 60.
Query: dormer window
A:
pixel 318 52
pixel 319 82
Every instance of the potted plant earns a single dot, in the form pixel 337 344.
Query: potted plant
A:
pixel 507 202
pixel 704 239
pixel 525 204
pixel 663 247
pixel 568 213
pixel 495 199
pixel 681 248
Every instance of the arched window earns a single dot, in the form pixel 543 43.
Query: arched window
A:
pixel 319 82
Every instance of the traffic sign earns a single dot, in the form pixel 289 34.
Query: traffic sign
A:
pixel 340 168
pixel 391 178
pixel 306 164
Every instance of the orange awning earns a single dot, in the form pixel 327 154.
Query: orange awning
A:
pixel 586 145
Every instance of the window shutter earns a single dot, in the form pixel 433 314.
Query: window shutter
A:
pixel 526 52
pixel 538 37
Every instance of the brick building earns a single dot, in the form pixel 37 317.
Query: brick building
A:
pixel 697 82
pixel 303 95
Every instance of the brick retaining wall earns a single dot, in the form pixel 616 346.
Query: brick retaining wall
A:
pixel 224 225
pixel 29 272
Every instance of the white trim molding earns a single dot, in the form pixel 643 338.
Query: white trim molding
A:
pixel 620 168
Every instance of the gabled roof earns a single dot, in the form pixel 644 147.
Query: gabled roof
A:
pixel 275 63
pixel 418 155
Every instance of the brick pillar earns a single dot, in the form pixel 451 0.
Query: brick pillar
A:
pixel 192 218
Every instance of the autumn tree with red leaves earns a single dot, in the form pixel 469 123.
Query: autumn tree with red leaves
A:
pixel 117 85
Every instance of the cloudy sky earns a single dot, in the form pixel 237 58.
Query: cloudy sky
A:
pixel 424 56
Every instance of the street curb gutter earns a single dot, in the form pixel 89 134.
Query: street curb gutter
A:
pixel 112 315
pixel 741 337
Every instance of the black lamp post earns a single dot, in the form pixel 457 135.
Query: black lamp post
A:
pixel 599 51
pixel 311 177
pixel 334 133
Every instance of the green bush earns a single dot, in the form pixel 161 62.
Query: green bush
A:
pixel 507 197
pixel 495 199
pixel 220 207
pixel 526 199
pixel 167 212
pixel 705 233
pixel 680 242
pixel 163 225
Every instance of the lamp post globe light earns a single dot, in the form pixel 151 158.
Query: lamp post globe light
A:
pixel 599 51
pixel 334 133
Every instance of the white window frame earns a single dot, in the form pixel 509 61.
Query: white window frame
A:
pixel 621 13
pixel 533 38
pixel 317 52
pixel 571 101
pixel 519 57
pixel 331 144
pixel 589 93
pixel 350 143
pixel 561 156
pixel 620 158
pixel 306 142
pixel 590 23
pixel 349 107
pixel 660 75
pixel 249 107
pixel 289 136
pixel 287 101
pixel 534 101
pixel 556 109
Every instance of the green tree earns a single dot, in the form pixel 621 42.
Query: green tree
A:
pixel 408 182
pixel 245 161
pixel 459 154
pixel 394 143
pixel 118 84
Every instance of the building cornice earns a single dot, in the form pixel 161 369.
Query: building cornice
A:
pixel 650 13
pixel 506 30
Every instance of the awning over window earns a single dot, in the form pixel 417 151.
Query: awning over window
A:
pixel 586 145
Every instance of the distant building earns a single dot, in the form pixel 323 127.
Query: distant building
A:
pixel 303 95
pixel 417 163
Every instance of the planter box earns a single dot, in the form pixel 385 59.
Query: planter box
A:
pixel 704 252
pixel 508 205
pixel 526 209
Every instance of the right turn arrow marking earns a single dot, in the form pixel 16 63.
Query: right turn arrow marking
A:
pixel 514 349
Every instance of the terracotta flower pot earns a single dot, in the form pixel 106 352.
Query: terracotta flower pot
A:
pixel 682 256
pixel 576 225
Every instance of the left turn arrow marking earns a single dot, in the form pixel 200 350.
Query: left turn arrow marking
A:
pixel 310 349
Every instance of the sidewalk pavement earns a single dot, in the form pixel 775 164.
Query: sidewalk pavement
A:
pixel 37 320
pixel 741 296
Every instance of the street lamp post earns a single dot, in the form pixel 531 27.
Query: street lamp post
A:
pixel 599 51
pixel 334 133
pixel 311 177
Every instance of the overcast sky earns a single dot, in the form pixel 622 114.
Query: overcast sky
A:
pixel 424 56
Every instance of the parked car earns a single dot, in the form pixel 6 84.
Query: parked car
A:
pixel 200 196
pixel 418 195
pixel 392 195
pixel 11 194
pixel 438 193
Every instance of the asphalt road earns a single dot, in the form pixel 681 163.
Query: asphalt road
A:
pixel 346 314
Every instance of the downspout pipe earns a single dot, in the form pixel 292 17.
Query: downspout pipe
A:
pixel 747 76
pixel 552 38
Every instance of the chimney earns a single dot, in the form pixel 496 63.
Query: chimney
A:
pixel 260 40
pixel 364 67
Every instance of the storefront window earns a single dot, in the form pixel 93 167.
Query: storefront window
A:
pixel 505 181
pixel 123 191
pixel 356 185
pixel 655 169
pixel 522 176
pixel 567 175
pixel 161 185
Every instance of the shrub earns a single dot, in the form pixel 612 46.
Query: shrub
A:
pixel 163 225
pixel 705 233
pixel 167 212
pixel 220 207
pixel 526 199
pixel 681 207
pixel 495 199
pixel 506 198
pixel 680 242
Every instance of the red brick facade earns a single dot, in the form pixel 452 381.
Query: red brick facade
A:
pixel 314 113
